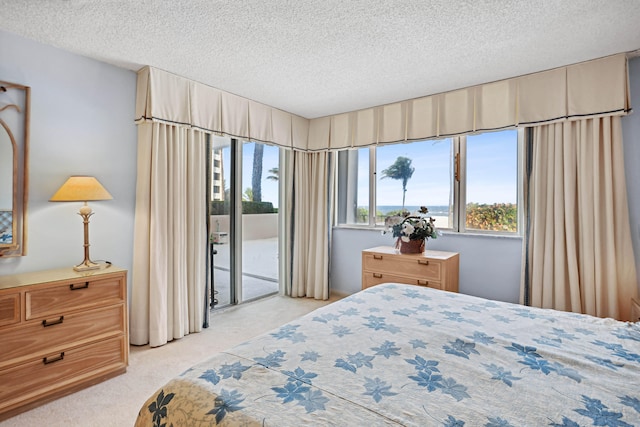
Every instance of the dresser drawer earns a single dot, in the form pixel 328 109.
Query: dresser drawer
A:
pixel 57 371
pixel 406 265
pixel 72 296
pixel 9 309
pixel 373 278
pixel 54 334
pixel 60 331
pixel 434 269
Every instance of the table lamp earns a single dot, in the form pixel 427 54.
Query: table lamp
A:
pixel 82 189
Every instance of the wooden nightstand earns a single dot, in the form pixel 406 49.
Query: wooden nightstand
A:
pixel 635 310
pixel 61 331
pixel 435 269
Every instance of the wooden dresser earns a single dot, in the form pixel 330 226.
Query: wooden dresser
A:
pixel 61 331
pixel 435 269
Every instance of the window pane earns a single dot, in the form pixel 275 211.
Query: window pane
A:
pixel 428 185
pixel 492 181
pixel 362 212
pixel 354 187
pixel 260 176
pixel 220 219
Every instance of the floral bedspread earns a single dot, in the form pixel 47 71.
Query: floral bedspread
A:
pixel 405 355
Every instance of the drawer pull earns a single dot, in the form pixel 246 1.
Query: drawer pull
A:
pixel 376 256
pixel 47 361
pixel 423 261
pixel 377 275
pixel 76 287
pixel 423 282
pixel 46 323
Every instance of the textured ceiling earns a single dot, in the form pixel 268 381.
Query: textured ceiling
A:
pixel 316 58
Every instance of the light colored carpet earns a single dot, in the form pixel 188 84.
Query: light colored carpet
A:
pixel 116 402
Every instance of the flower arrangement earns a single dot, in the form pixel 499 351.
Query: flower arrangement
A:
pixel 412 230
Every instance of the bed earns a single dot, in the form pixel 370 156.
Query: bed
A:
pixel 405 355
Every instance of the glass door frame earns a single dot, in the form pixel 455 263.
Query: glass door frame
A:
pixel 233 180
pixel 235 223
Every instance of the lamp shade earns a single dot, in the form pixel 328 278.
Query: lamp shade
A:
pixel 81 189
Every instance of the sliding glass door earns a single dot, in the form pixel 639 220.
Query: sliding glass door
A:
pixel 243 220
pixel 220 178
pixel 260 174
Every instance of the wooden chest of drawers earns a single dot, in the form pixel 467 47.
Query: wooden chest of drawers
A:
pixel 435 269
pixel 60 331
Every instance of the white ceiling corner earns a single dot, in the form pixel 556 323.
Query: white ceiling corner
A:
pixel 316 58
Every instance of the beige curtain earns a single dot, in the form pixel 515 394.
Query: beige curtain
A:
pixel 166 97
pixel 588 89
pixel 592 88
pixel 309 206
pixel 578 246
pixel 170 241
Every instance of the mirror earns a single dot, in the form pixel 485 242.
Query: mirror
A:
pixel 7 149
pixel 14 139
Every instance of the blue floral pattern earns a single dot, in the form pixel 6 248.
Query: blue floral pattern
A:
pixel 404 355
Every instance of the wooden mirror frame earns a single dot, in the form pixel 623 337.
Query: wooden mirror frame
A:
pixel 15 110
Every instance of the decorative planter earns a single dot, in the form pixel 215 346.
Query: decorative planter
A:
pixel 410 247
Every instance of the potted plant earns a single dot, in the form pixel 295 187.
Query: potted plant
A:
pixel 412 231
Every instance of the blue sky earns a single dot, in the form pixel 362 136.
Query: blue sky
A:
pixel 269 160
pixel 491 171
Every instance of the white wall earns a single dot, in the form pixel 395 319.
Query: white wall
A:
pixel 82 114
pixel 489 266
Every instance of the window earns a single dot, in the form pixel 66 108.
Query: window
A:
pixel 244 222
pixel 412 175
pixel 492 181
pixel 468 183
pixel 353 192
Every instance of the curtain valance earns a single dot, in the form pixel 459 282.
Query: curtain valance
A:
pixel 588 89
pixel 166 97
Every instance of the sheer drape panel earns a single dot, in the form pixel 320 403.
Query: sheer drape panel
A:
pixel 139 318
pixel 313 183
pixel 579 242
pixel 196 227
pixel 170 235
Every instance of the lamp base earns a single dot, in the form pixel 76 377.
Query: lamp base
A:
pixel 86 266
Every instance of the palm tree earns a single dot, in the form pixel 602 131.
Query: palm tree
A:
pixel 247 196
pixel 256 176
pixel 275 174
pixel 400 169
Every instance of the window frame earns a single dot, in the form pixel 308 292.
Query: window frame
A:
pixel 458 187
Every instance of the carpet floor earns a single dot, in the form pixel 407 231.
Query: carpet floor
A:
pixel 116 402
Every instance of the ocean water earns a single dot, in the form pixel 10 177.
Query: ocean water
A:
pixel 433 210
